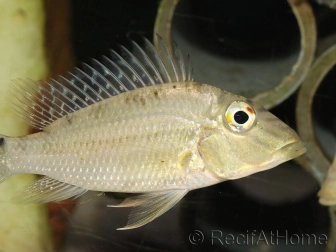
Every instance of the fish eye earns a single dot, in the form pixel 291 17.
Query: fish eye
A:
pixel 240 116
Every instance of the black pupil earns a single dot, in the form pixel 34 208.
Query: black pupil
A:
pixel 241 117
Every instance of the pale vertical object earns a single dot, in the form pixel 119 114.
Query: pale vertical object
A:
pixel 327 193
pixel 330 3
pixel 22 227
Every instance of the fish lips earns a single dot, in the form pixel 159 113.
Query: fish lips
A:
pixel 281 155
pixel 290 151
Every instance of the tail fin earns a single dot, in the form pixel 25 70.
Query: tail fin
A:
pixel 4 170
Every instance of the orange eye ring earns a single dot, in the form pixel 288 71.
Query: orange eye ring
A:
pixel 240 116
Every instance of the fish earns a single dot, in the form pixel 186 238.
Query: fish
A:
pixel 327 193
pixel 137 122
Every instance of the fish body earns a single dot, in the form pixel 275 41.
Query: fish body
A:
pixel 149 143
pixel 154 131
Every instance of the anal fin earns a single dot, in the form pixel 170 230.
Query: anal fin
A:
pixel 46 189
pixel 149 206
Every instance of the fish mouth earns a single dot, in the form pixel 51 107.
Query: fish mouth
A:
pixel 281 155
pixel 292 150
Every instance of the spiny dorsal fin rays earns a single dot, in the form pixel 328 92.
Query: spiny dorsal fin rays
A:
pixel 42 104
pixel 29 106
pixel 55 100
pixel 137 66
pixel 155 58
pixel 146 62
pixel 26 116
pixel 53 108
pixel 86 100
pixel 61 95
pixel 29 117
pixel 168 60
pixel 68 94
pixel 189 70
pixel 117 86
pixel 81 78
pixel 32 113
pixel 128 70
pixel 116 70
pixel 98 74
pixel 177 56
pixel 91 73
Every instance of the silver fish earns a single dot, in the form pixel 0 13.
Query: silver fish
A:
pixel 137 123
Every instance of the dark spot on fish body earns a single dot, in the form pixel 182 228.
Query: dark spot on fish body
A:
pixel 143 101
pixel 69 119
pixel 195 86
pixel 2 141
pixel 174 86
pixel 157 134
pixel 135 98
pixel 156 94
pixel 128 99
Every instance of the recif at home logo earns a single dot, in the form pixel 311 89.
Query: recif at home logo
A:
pixel 254 237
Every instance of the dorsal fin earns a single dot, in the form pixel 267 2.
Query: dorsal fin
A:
pixel 41 103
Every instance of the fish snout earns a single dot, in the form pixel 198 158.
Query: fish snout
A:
pixel 292 150
pixel 291 145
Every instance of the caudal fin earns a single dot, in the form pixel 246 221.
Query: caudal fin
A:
pixel 4 170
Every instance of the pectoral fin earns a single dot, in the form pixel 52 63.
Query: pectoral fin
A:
pixel 148 206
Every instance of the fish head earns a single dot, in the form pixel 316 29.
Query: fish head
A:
pixel 247 139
